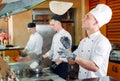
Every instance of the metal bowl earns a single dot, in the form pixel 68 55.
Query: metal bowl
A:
pixel 37 70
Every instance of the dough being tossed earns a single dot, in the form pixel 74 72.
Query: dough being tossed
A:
pixel 59 7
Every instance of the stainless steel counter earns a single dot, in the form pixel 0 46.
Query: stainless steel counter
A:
pixel 46 75
pixel 106 78
pixel 26 75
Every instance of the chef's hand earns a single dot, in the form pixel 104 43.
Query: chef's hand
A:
pixel 23 54
pixel 44 56
pixel 66 53
pixel 22 59
pixel 65 41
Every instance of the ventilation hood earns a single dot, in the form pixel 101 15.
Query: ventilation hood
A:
pixel 16 6
pixel 8 1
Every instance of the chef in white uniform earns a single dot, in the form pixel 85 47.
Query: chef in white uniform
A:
pixel 59 64
pixel 34 44
pixel 93 52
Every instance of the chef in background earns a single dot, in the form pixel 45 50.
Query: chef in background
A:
pixel 59 64
pixel 93 52
pixel 34 44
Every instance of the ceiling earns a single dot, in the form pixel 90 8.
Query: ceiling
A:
pixel 9 7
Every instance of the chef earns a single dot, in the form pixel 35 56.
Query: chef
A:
pixel 34 45
pixel 93 52
pixel 59 64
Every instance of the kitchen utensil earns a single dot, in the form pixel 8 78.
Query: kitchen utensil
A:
pixel 37 70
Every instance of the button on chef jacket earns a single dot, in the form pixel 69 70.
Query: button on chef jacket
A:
pixel 35 43
pixel 56 45
pixel 97 49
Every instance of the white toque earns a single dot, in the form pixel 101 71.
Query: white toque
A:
pixel 102 13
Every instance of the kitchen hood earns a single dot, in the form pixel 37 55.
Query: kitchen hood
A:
pixel 18 6
pixel 8 1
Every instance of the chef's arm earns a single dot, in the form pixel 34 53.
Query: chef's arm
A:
pixel 87 64
pixel 32 55
pixel 48 54
pixel 38 47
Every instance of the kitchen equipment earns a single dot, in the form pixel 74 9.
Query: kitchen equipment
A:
pixel 18 67
pixel 37 70
pixel 47 34
pixel 26 75
pixel 45 80
pixel 36 61
pixel 115 55
pixel 18 6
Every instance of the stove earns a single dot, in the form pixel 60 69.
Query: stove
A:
pixel 25 75
pixel 45 75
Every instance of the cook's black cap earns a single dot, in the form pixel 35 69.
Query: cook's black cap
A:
pixel 31 25
pixel 56 17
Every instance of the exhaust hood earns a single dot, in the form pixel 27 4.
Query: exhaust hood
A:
pixel 18 6
pixel 8 1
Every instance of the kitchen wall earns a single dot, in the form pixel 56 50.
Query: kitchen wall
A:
pixel 20 33
pixel 4 23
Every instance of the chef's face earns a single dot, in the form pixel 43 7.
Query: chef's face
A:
pixel 31 30
pixel 89 22
pixel 54 24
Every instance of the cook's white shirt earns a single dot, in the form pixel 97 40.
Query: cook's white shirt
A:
pixel 56 45
pixel 97 49
pixel 35 43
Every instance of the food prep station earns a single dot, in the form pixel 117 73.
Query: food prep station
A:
pixel 24 74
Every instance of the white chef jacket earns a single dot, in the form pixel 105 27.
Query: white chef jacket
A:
pixel 35 43
pixel 97 49
pixel 56 45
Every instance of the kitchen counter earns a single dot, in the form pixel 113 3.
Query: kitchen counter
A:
pixel 24 74
pixel 11 48
pixel 46 75
pixel 106 78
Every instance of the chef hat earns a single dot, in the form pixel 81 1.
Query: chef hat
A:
pixel 31 25
pixel 102 13
pixel 59 7
pixel 56 17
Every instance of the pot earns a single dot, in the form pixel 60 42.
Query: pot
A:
pixel 37 70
